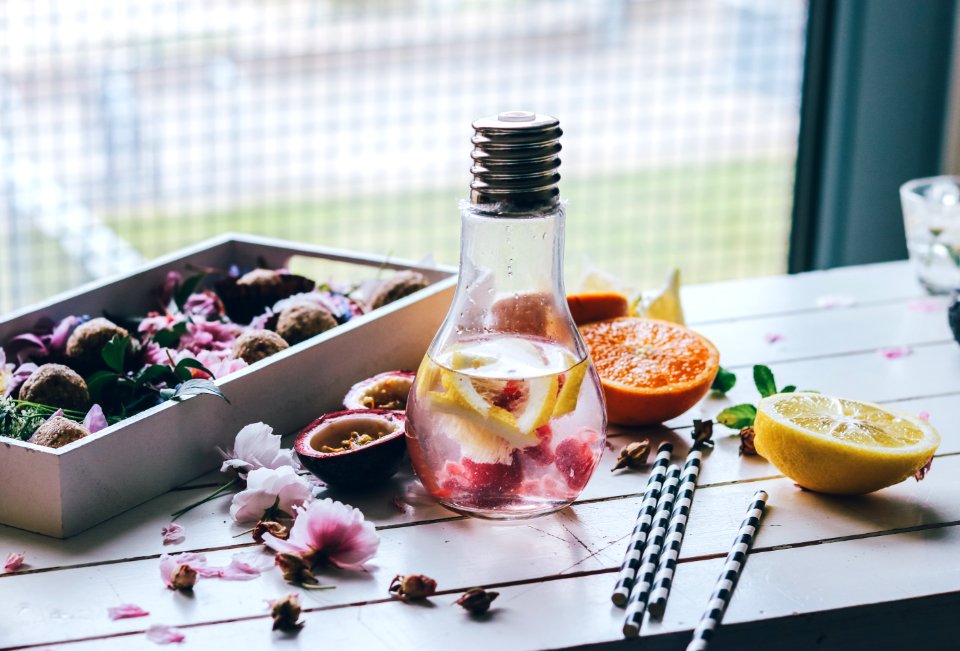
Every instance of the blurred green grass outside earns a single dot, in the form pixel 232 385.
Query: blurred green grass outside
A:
pixel 718 221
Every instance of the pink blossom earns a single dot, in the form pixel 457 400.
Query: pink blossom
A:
pixel 14 561
pixel 929 305
pixel 170 567
pixel 896 352
pixel 773 337
pixel 19 377
pixel 209 335
pixel 834 301
pixel 256 446
pixel 163 634
pixel 95 421
pixel 329 531
pixel 270 489
pixel 924 415
pixel 154 323
pixel 245 566
pixel 173 280
pixel 220 363
pixel 126 611
pixel 153 353
pixel 173 534
pixel 204 303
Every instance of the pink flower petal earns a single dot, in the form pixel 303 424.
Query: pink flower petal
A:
pixel 163 634
pixel 14 562
pixel 924 415
pixel 173 534
pixel 126 611
pixel 245 566
pixel 95 421
pixel 929 305
pixel 834 301
pixel 773 337
pixel 896 352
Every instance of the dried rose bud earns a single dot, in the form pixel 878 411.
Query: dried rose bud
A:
pixel 633 455
pixel 477 600
pixel 184 578
pixel 702 433
pixel 412 587
pixel 294 568
pixel 746 442
pixel 271 527
pixel 920 474
pixel 286 613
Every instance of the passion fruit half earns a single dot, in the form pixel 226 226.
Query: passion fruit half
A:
pixel 353 449
pixel 382 391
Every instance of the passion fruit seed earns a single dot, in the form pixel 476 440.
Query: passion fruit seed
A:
pixel 354 441
pixel 387 390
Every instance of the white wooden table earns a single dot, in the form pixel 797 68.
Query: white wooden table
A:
pixel 880 571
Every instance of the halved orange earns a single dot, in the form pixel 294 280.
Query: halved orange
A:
pixel 650 370
pixel 597 306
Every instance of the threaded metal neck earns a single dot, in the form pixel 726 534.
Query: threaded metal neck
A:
pixel 516 156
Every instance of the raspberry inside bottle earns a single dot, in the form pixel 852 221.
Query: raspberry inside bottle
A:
pixel 506 418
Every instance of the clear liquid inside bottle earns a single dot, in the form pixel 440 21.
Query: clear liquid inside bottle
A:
pixel 506 417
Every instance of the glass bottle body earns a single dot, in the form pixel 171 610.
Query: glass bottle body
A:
pixel 506 417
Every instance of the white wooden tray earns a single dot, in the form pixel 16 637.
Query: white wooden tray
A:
pixel 60 492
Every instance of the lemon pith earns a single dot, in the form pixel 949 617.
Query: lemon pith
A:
pixel 845 447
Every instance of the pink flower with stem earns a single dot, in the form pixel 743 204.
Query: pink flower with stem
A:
pixel 270 494
pixel 328 531
pixel 256 446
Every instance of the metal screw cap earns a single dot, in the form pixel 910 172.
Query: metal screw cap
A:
pixel 516 156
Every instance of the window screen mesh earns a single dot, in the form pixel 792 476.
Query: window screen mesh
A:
pixel 130 128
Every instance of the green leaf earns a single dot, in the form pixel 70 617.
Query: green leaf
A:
pixel 197 387
pixel 115 352
pixel 790 388
pixel 183 367
pixel 99 381
pixel 724 381
pixel 155 372
pixel 763 378
pixel 170 337
pixel 182 292
pixel 738 416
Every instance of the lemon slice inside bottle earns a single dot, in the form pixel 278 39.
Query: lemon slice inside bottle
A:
pixel 570 393
pixel 840 446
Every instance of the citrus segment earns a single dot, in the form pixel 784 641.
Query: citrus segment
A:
pixel 663 303
pixel 839 446
pixel 650 370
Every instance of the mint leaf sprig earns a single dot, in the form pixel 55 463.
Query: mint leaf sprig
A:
pixel 744 415
pixel 724 381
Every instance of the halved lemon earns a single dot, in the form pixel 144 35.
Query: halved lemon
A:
pixel 839 446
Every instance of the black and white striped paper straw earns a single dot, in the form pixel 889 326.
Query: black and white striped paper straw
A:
pixel 727 581
pixel 651 554
pixel 648 509
pixel 678 525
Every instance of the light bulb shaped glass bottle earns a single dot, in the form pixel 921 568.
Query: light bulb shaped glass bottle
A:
pixel 506 418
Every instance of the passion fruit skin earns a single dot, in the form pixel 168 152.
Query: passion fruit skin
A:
pixel 382 386
pixel 364 468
